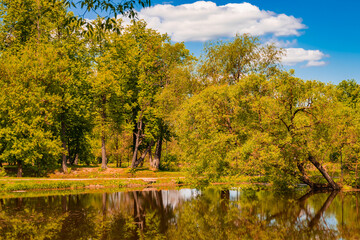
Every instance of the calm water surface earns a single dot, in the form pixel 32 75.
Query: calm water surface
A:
pixel 182 214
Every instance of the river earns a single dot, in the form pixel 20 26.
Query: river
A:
pixel 182 214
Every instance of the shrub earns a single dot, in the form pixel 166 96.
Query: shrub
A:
pixel 2 172
pixel 169 162
pixel 131 171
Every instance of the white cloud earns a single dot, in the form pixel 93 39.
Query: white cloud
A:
pixel 297 55
pixel 315 63
pixel 202 21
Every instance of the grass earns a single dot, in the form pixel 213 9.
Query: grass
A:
pixel 11 184
pixel 81 177
pixel 30 185
pixel 86 177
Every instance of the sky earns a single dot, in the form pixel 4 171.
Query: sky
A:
pixel 321 38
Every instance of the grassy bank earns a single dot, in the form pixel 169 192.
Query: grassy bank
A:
pixel 93 177
pixel 8 184
pixel 94 171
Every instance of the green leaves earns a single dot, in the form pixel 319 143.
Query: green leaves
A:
pixel 228 62
pixel 112 8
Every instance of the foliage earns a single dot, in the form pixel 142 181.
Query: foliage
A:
pixel 228 62
pixel 169 162
pixel 2 172
pixel 76 92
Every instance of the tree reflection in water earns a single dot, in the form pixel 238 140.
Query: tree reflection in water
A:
pixel 184 214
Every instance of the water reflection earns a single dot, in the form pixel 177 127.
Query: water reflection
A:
pixel 182 214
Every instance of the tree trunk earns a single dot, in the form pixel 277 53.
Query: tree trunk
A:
pixel 139 217
pixel 341 166
pixel 305 179
pixel 20 168
pixel 137 136
pixel 157 155
pixel 63 163
pixel 324 173
pixel 117 155
pixel 104 197
pixel 103 149
pixel 103 153
pixel 151 160
pixel 76 161
pixel 142 157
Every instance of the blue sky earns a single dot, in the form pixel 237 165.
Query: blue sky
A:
pixel 322 38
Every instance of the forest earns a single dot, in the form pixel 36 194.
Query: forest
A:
pixel 75 91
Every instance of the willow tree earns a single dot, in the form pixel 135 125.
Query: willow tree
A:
pixel 215 118
pixel 279 127
pixel 298 117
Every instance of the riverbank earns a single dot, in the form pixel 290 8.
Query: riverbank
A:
pixel 93 177
pixel 10 184
pixel 21 185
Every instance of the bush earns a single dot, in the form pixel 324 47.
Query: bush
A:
pixel 169 162
pixel 352 181
pixel 260 179
pixel 283 182
pixel 2 172
pixel 131 171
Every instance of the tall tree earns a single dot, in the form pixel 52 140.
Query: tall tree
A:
pixel 151 58
pixel 108 76
pixel 28 112
pixel 228 62
pixel 59 60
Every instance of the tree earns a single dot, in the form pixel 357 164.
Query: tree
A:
pixel 28 112
pixel 108 79
pixel 215 121
pixel 228 62
pixel 299 117
pixel 149 59
pixel 59 63
pixel 275 126
pixel 346 144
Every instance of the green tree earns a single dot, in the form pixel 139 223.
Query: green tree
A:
pixel 346 143
pixel 28 112
pixel 228 62
pixel 149 59
pixel 109 79
pixel 59 63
